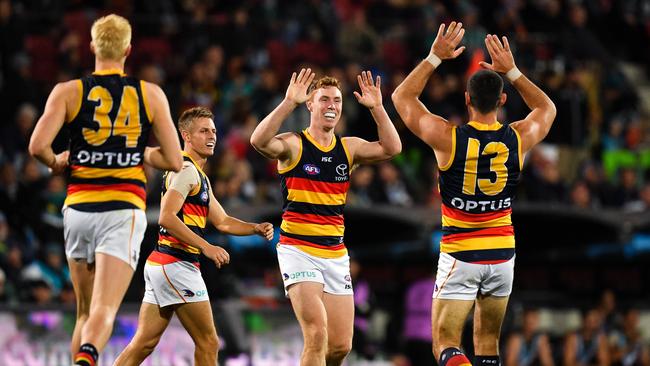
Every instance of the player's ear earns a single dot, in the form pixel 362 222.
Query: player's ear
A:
pixel 468 101
pixel 309 104
pixel 92 47
pixel 185 135
pixel 502 99
pixel 128 51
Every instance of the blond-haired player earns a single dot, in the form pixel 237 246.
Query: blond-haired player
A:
pixel 110 116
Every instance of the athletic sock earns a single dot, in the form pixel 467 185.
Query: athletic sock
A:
pixel 87 355
pixel 453 357
pixel 487 361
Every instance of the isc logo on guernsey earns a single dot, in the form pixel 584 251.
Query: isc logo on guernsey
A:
pixel 109 158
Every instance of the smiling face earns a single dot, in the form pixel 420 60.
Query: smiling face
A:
pixel 325 106
pixel 201 136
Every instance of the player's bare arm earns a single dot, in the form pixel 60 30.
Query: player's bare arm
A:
pixel 234 226
pixel 389 143
pixel 537 124
pixel 60 107
pixel 284 146
pixel 168 155
pixel 431 128
pixel 170 205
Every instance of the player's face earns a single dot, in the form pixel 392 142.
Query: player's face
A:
pixel 326 106
pixel 203 136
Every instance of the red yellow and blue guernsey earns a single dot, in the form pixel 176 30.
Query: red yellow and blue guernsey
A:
pixel 315 188
pixel 193 213
pixel 478 187
pixel 108 134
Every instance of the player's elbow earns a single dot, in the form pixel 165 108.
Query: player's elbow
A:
pixel 165 219
pixel 177 163
pixel 36 147
pixel 393 149
pixel 257 142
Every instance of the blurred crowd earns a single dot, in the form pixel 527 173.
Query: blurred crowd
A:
pixel 235 57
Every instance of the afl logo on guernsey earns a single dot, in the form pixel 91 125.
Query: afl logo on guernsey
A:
pixel 311 169
pixel 204 196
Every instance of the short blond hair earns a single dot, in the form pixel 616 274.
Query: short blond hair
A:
pixel 192 114
pixel 111 36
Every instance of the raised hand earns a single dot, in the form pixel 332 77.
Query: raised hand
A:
pixel 217 254
pixel 444 46
pixel 264 230
pixel 298 86
pixel 370 96
pixel 501 55
pixel 60 163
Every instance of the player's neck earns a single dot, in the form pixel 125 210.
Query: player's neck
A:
pixel 486 119
pixel 103 65
pixel 198 159
pixel 323 137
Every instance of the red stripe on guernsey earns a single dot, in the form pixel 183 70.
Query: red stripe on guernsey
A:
pixel 169 238
pixel 487 232
pixel 293 241
pixel 162 258
pixel 316 186
pixel 312 219
pixel 124 187
pixel 192 209
pixel 470 217
pixel 491 262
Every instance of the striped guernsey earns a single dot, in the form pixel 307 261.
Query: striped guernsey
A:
pixel 315 187
pixel 478 188
pixel 193 213
pixel 107 139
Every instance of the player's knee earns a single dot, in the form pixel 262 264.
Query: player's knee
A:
pixel 339 350
pixel 208 343
pixel 316 337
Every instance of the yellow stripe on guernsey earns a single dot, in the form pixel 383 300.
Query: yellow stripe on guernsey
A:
pixel 500 221
pixel 194 220
pixel 181 246
pixel 492 242
pixel 103 196
pixel 136 173
pixel 322 253
pixel 312 229
pixel 317 198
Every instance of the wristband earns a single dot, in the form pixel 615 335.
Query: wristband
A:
pixel 433 60
pixel 513 74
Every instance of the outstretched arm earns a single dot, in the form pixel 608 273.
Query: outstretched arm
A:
pixel 264 137
pixel 234 226
pixel 389 143
pixel 536 125
pixel 431 128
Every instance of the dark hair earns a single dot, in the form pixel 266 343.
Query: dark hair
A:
pixel 186 119
pixel 485 88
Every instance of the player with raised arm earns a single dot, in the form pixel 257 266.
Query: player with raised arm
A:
pixel 480 163
pixel 315 166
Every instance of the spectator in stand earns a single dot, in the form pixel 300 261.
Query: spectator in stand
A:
pixel 627 345
pixel 392 189
pixel 363 307
pixel 588 345
pixel 580 196
pixel 51 269
pixel 529 346
pixel 360 193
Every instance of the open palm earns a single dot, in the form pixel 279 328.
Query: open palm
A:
pixel 370 96
pixel 299 85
